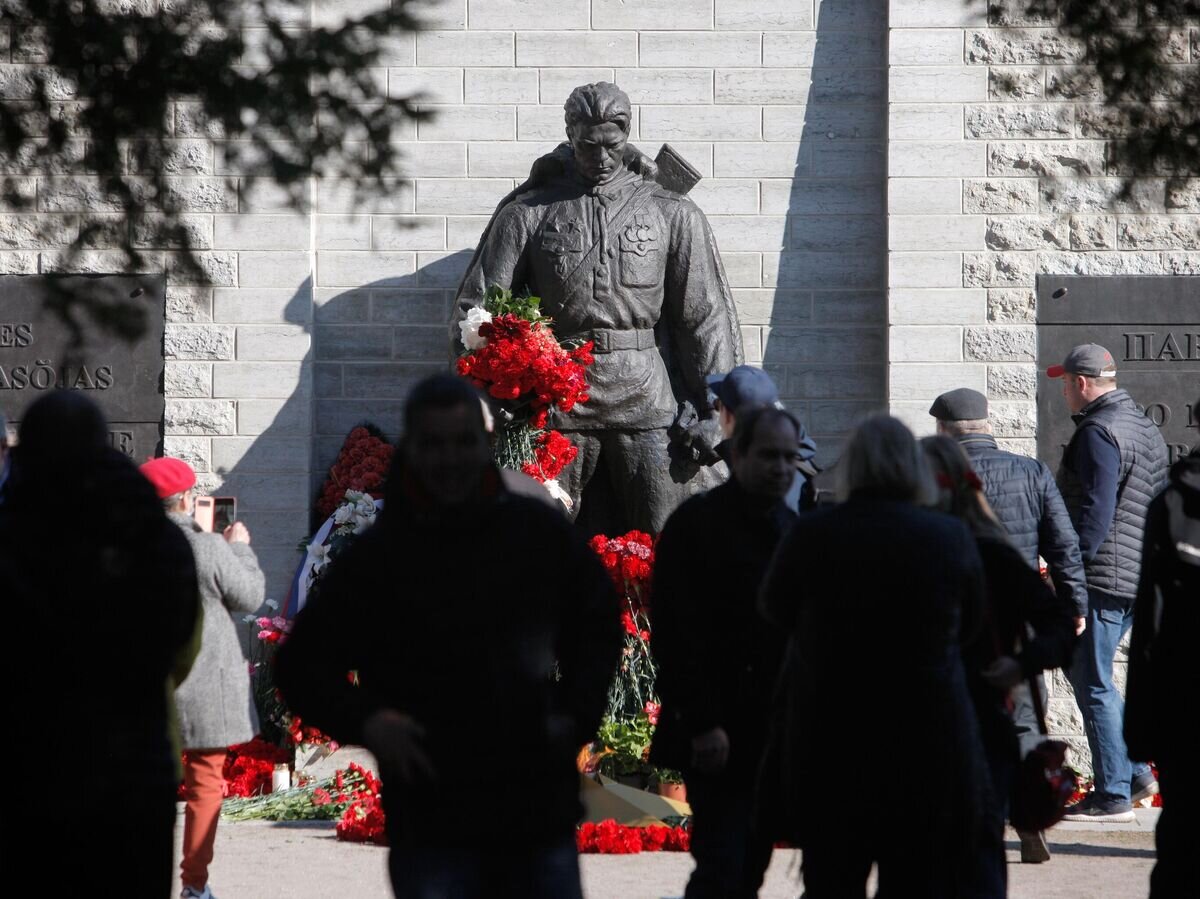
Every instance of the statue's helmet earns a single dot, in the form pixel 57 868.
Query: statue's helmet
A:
pixel 598 103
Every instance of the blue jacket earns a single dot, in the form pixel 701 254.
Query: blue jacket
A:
pixel 1025 498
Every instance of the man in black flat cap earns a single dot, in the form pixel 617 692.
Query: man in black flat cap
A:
pixel 1115 464
pixel 1025 498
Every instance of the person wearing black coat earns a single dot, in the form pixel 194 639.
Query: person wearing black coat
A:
pixel 101 589
pixel 877 595
pixel 485 633
pixel 718 660
pixel 1024 498
pixel 1162 668
pixel 1026 630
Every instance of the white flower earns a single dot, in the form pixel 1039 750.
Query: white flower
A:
pixel 555 490
pixel 320 556
pixel 272 604
pixel 469 326
pixel 343 513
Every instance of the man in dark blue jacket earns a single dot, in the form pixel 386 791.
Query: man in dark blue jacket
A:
pixel 1025 498
pixel 1115 464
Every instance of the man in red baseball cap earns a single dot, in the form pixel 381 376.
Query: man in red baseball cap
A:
pixel 214 701
pixel 1114 465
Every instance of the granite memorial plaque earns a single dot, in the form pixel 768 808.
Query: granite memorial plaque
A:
pixel 125 379
pixel 1151 325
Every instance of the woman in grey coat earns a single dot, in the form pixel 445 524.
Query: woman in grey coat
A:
pixel 213 703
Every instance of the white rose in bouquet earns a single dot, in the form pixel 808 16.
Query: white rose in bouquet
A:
pixel 469 326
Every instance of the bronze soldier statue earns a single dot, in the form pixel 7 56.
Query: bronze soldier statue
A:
pixel 620 260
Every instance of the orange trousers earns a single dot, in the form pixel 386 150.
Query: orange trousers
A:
pixel 202 783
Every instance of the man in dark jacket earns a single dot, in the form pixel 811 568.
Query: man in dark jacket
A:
pixel 478 622
pixel 1162 667
pixel 1022 493
pixel 104 589
pixel 718 659
pixel 1113 467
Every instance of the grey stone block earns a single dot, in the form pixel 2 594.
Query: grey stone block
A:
pixel 451 48
pixel 408 232
pixel 667 85
pixel 1002 46
pixel 750 232
pixel 266 305
pixel 833 197
pixel 862 49
pixel 1101 264
pixel 260 454
pixel 1022 232
pixel 924 270
pixel 851 307
pixel 261 232
pixel 495 85
pixel 831 122
pixel 1159 232
pixel 1102 195
pixel 949 158
pixel 198 342
pixel 338 417
pixel 1000 196
pixel 1012 382
pixel 765 307
pixel 260 380
pixel 1073 84
pixel 334 305
pixel 1006 121
pixel 37 232
pixel 998 269
pixel 338 269
pixel 831 233
pixel 1045 158
pixel 940 306
pixel 195 451
pixel 574 48
pixel 826 418
pixel 278 417
pixel 925 121
pixel 1011 305
pixel 1093 232
pixel 1013 419
pixel 837 382
pixel 273 343
pixel 428 85
pixel 932 84
pixel 671 48
pixel 452 123
pixel 272 493
pixel 452 196
pixel 1005 343
pixel 187 380
pixel 198 417
pixel 411 307
pixel 760 160
pixel 327 379
pixel 921 382
pixel 420 343
pixel 729 121
pixel 153 231
pixel 799 270
pixel 385 380
pixel 935 233
pixel 925 196
pixel 1017 83
pixel 189 304
pixel 762 15
pixel 289 270
pixel 842 159
pixel 354 342
pixel 442 269
pixel 338 197
pixel 788 345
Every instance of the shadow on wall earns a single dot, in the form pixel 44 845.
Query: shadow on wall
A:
pixel 368 346
pixel 826 337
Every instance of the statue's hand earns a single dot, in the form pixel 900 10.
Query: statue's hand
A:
pixel 700 439
pixel 637 161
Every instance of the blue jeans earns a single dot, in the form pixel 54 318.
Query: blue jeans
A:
pixel 536 872
pixel 1109 619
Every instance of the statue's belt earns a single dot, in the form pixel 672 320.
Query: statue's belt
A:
pixel 609 340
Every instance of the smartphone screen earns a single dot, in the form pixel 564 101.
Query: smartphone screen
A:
pixel 224 513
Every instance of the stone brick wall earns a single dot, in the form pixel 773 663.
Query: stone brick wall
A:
pixel 320 318
pixel 779 103
pixel 997 172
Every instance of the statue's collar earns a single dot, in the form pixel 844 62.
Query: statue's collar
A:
pixel 617 185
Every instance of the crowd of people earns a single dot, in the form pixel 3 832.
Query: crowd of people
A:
pixel 857 674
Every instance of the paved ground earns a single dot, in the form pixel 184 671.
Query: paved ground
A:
pixel 304 861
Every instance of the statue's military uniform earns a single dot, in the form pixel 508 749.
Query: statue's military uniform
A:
pixel 634 268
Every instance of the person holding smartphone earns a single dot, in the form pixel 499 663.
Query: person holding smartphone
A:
pixel 214 701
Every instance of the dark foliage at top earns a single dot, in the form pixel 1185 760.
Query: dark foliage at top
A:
pixel 119 97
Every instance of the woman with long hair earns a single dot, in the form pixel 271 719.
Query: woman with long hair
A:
pixel 876 594
pixel 1025 631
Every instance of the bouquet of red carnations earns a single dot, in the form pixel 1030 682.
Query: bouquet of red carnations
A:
pixel 361 465
pixel 512 353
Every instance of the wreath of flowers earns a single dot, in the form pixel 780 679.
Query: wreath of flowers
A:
pixel 361 465
pixel 513 355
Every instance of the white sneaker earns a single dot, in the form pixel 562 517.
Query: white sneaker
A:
pixel 193 893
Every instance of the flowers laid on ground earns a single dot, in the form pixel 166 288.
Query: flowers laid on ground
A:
pixel 513 355
pixel 248 767
pixel 350 797
pixel 361 465
pixel 610 838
